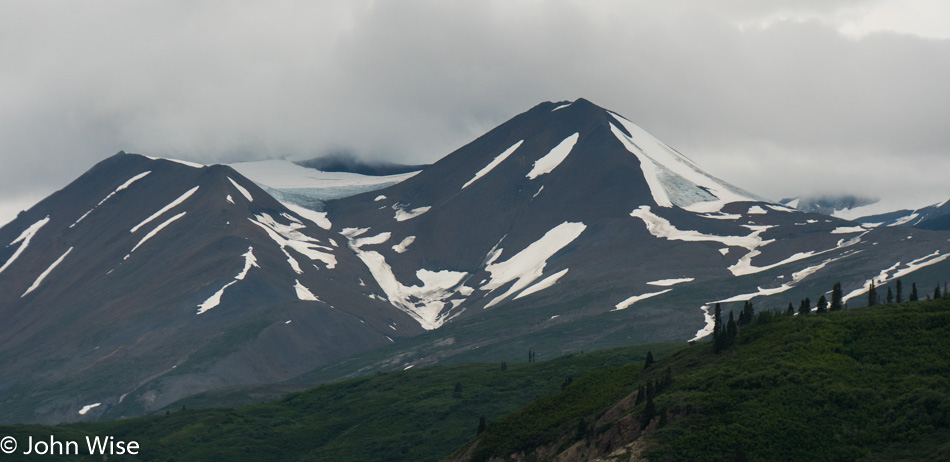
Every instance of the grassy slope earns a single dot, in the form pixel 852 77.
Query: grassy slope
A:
pixel 860 384
pixel 412 415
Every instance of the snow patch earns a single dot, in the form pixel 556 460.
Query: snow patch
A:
pixel 552 159
pixel 424 303
pixel 320 218
pixel 528 265
pixel 244 192
pixel 403 215
pixel 379 198
pixel 164 209
pixel 847 230
pixel 402 246
pixel 759 292
pixel 178 161
pixel 722 216
pixel 561 107
pixel 303 293
pixel 779 208
pixel 88 408
pixel 378 239
pixel 724 250
pixel 543 284
pixel 155 231
pixel 662 228
pixel 25 238
pixel 214 300
pixel 636 298
pixel 756 210
pixel 113 193
pixel 710 325
pixel 42 276
pixel 289 236
pixel 491 165
pixel 670 282
pixel 229 199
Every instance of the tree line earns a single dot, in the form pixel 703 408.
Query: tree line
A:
pixel 725 333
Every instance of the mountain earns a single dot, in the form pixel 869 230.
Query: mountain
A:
pixel 567 228
pixel 933 217
pixel 570 212
pixel 145 280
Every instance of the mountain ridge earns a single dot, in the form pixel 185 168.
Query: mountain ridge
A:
pixel 566 228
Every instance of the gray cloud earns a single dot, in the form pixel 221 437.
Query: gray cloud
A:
pixel 785 107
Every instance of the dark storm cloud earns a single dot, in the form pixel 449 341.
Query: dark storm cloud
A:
pixel 769 95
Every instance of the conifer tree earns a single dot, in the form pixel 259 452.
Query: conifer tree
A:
pixel 937 292
pixel 872 294
pixel 836 296
pixel 731 330
pixel 651 390
pixel 803 307
pixel 791 310
pixel 641 394
pixel 822 304
pixel 649 411
pixel 749 312
pixel 890 296
pixel 649 362
pixel 913 293
pixel 667 378
pixel 899 297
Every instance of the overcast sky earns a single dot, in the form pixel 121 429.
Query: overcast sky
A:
pixel 782 98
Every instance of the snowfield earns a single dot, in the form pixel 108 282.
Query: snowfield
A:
pixel 674 179
pixel 289 236
pixel 527 266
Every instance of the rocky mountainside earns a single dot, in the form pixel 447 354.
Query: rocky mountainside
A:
pixel 566 228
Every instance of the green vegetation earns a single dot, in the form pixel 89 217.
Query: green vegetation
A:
pixel 848 385
pixel 413 415
pixel 861 384
pixel 837 384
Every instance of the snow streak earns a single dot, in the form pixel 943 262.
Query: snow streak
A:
pixel 24 237
pixel 494 163
pixel 42 276
pixel 164 209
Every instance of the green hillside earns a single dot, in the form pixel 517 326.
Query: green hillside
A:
pixel 413 415
pixel 859 384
